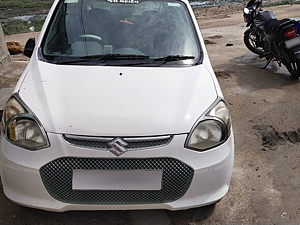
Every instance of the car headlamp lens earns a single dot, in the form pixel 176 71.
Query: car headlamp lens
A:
pixel 21 127
pixel 207 134
pixel 211 131
pixel 221 111
pixel 12 108
pixel 26 133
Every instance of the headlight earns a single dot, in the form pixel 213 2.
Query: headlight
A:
pixel 212 130
pixel 12 108
pixel 21 127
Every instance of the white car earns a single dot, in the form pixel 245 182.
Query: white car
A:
pixel 118 109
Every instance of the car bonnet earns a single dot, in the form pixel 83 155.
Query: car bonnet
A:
pixel 117 101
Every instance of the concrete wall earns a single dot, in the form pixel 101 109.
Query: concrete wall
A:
pixel 4 54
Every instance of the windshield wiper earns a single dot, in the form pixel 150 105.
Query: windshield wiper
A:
pixel 92 58
pixel 171 58
pixel 124 57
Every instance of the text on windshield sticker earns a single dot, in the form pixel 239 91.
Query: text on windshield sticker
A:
pixel 124 1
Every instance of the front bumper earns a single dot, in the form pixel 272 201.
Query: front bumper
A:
pixel 24 181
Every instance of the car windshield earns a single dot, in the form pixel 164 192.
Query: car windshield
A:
pixel 82 31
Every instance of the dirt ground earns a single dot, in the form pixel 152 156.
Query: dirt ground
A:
pixel 265 186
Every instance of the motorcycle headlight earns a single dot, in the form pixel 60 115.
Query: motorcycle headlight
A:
pixel 212 130
pixel 21 127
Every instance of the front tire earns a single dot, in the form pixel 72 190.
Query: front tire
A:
pixel 252 42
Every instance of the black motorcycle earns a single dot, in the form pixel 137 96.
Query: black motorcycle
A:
pixel 275 40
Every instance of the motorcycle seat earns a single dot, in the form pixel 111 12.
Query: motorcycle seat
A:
pixel 272 26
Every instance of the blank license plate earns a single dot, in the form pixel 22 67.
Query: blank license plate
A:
pixel 293 42
pixel 117 180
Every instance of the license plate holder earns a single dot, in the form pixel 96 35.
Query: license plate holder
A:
pixel 117 179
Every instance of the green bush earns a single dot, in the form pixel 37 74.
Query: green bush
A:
pixel 18 26
pixel 25 3
pixel 13 8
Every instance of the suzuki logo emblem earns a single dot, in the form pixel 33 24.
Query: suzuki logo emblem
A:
pixel 117 146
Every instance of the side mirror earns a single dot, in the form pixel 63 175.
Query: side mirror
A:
pixel 29 47
pixel 246 11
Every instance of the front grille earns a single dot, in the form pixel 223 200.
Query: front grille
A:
pixel 133 143
pixel 57 178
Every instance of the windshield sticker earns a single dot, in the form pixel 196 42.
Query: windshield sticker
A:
pixel 173 4
pixel 71 1
pixel 124 1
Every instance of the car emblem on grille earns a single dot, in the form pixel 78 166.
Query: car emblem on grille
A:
pixel 117 146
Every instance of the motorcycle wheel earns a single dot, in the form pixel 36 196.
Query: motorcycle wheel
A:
pixel 293 66
pixel 251 42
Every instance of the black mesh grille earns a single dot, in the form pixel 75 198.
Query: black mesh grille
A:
pixel 131 145
pixel 57 178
